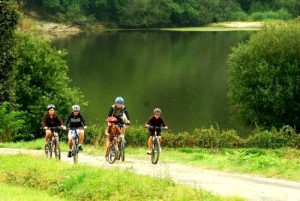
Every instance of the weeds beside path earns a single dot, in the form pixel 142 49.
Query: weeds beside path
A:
pixel 226 184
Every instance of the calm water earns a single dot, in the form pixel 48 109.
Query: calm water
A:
pixel 183 73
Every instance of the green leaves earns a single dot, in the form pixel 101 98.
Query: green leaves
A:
pixel 264 77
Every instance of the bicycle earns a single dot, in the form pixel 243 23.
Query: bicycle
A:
pixel 118 154
pixel 75 140
pixel 155 150
pixel 53 144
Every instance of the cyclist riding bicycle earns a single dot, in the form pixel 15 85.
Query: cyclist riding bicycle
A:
pixel 51 120
pixel 112 131
pixel 75 121
pixel 155 121
pixel 120 112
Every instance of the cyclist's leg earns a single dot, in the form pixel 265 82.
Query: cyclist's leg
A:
pixel 81 136
pixel 70 142
pixel 151 133
pixel 107 145
pixel 48 135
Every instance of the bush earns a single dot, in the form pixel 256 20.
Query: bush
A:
pixel 11 123
pixel 281 14
pixel 213 137
pixel 285 137
pixel 264 77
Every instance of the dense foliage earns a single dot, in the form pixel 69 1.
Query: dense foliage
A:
pixel 156 13
pixel 33 75
pixel 265 76
pixel 137 136
pixel 8 23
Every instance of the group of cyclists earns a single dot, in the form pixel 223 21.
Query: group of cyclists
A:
pixel 118 117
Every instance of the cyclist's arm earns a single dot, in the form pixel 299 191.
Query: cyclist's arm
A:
pixel 82 121
pixel 67 121
pixel 148 122
pixel 60 122
pixel 127 114
pixel 106 132
pixel 163 123
pixel 44 121
pixel 110 112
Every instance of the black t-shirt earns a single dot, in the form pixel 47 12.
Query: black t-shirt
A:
pixel 75 121
pixel 53 121
pixel 156 122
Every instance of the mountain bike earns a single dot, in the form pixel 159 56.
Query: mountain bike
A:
pixel 155 150
pixel 53 145
pixel 75 140
pixel 119 153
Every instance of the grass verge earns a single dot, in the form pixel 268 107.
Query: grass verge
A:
pixel 281 163
pixel 17 193
pixel 90 183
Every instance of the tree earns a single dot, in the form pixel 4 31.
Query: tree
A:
pixel 42 79
pixel 8 23
pixel 265 76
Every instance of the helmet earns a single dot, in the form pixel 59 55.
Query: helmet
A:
pixel 119 100
pixel 50 106
pixel 157 111
pixel 75 107
pixel 111 119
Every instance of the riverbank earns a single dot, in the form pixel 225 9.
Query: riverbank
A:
pixel 50 30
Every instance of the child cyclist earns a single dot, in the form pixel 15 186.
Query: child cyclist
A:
pixel 112 131
pixel 155 121
pixel 51 120
pixel 75 121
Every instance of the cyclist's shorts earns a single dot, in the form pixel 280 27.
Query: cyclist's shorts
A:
pixel 151 132
pixel 72 132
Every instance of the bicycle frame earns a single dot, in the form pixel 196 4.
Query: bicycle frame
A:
pixel 53 144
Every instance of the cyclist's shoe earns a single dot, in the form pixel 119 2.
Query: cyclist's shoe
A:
pixel 149 152
pixel 80 147
pixel 160 149
pixel 69 154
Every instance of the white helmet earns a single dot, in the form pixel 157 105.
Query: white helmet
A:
pixel 75 107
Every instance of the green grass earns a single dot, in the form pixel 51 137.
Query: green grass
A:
pixel 17 193
pixel 89 183
pixel 278 163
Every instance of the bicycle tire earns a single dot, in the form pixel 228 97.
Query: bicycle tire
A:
pixel 122 151
pixel 155 152
pixel 112 155
pixel 57 150
pixel 75 153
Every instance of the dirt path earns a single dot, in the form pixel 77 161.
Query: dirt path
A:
pixel 227 184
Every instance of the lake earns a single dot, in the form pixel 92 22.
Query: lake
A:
pixel 183 73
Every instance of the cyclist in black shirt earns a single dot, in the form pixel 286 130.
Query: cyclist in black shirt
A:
pixel 75 121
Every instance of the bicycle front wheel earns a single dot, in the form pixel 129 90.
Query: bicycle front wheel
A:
pixel 112 155
pixel 75 153
pixel 57 150
pixel 155 152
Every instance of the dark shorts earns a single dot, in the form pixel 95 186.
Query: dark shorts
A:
pixel 151 132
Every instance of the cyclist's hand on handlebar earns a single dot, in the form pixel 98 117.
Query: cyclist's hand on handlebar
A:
pixel 85 127
pixel 147 125
pixel 64 127
pixel 45 128
pixel 166 127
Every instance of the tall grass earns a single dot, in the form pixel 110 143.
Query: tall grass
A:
pixel 89 183
pixel 17 193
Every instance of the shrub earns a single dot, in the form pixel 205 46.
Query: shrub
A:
pixel 285 137
pixel 11 123
pixel 264 77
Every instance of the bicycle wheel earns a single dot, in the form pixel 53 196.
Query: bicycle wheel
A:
pixel 112 155
pixel 155 152
pixel 75 153
pixel 122 151
pixel 47 150
pixel 57 150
